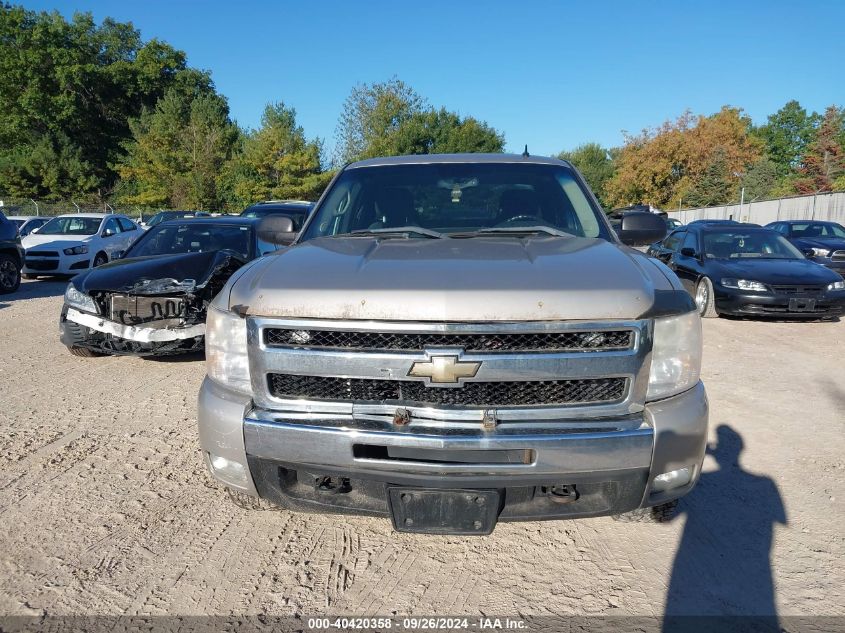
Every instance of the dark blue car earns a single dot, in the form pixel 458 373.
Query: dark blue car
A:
pixel 822 242
pixel 748 270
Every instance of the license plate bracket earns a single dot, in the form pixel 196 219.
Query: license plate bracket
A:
pixel 435 511
pixel 802 305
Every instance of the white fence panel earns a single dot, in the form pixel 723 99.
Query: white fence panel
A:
pixel 823 206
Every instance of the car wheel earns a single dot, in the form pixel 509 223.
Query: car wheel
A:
pixel 10 274
pixel 100 259
pixel 704 299
pixel 656 514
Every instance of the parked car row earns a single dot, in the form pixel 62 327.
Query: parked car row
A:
pixel 746 269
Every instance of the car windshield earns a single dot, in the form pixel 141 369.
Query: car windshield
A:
pixel 296 215
pixel 71 225
pixel 193 237
pixel 734 244
pixel 818 229
pixel 458 199
pixel 160 217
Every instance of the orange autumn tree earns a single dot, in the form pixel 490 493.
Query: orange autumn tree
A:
pixel 693 159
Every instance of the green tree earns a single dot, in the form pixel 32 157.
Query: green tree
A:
pixel 823 163
pixel 787 134
pixel 595 163
pixel 716 183
pixel 69 91
pixel 177 153
pixel 277 161
pixel 370 113
pixel 391 119
pixel 761 180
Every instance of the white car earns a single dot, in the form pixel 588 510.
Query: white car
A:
pixel 28 223
pixel 71 243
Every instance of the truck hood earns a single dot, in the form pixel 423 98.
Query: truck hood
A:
pixel 478 279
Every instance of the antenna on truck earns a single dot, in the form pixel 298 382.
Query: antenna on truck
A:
pixel 525 153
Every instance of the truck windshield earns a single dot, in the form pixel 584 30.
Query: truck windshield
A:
pixel 456 199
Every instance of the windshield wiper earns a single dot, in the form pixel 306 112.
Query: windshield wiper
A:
pixel 399 230
pixel 549 230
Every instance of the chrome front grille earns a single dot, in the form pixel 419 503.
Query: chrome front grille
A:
pixel 472 394
pixel 586 341
pixel 455 373
pixel 838 256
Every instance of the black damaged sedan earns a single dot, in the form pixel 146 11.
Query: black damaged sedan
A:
pixel 752 271
pixel 152 300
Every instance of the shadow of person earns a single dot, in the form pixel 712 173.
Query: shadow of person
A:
pixel 722 566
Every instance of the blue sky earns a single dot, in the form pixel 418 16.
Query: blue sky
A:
pixel 549 74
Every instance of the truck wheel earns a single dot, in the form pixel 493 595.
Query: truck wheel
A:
pixel 655 514
pixel 248 502
pixel 84 352
pixel 704 299
pixel 10 274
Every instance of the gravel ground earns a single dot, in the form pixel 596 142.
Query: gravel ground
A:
pixel 106 507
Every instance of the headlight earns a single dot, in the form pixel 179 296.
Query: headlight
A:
pixel 836 285
pixel 675 355
pixel 79 300
pixel 226 357
pixel 820 252
pixel 76 250
pixel 745 284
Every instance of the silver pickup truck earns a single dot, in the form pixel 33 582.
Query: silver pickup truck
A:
pixel 452 341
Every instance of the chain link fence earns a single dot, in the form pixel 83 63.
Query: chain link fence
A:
pixel 29 206
pixel 821 206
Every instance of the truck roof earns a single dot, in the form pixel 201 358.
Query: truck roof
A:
pixel 424 159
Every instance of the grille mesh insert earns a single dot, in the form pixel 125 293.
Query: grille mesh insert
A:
pixel 598 340
pixel 474 394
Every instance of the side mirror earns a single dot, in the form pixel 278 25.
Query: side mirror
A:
pixel 276 229
pixel 640 228
pixel 688 252
pixel 107 233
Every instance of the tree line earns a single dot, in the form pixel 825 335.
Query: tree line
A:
pixel 699 161
pixel 93 112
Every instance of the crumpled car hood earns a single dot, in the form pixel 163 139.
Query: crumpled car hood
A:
pixel 478 279
pixel 160 274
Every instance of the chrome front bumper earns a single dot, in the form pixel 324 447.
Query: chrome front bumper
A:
pixel 668 434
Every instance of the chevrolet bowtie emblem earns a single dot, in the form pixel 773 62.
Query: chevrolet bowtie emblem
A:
pixel 444 369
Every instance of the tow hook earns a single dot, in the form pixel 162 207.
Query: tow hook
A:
pixel 561 493
pixel 333 485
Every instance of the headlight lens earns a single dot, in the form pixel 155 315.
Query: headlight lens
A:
pixel 745 284
pixel 675 355
pixel 226 356
pixel 821 252
pixel 79 300
pixel 836 285
pixel 76 250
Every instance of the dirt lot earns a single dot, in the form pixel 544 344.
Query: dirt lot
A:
pixel 105 506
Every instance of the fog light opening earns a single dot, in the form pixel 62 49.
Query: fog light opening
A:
pixel 228 470
pixel 671 480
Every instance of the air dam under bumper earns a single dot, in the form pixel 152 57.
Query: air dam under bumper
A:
pixel 611 464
